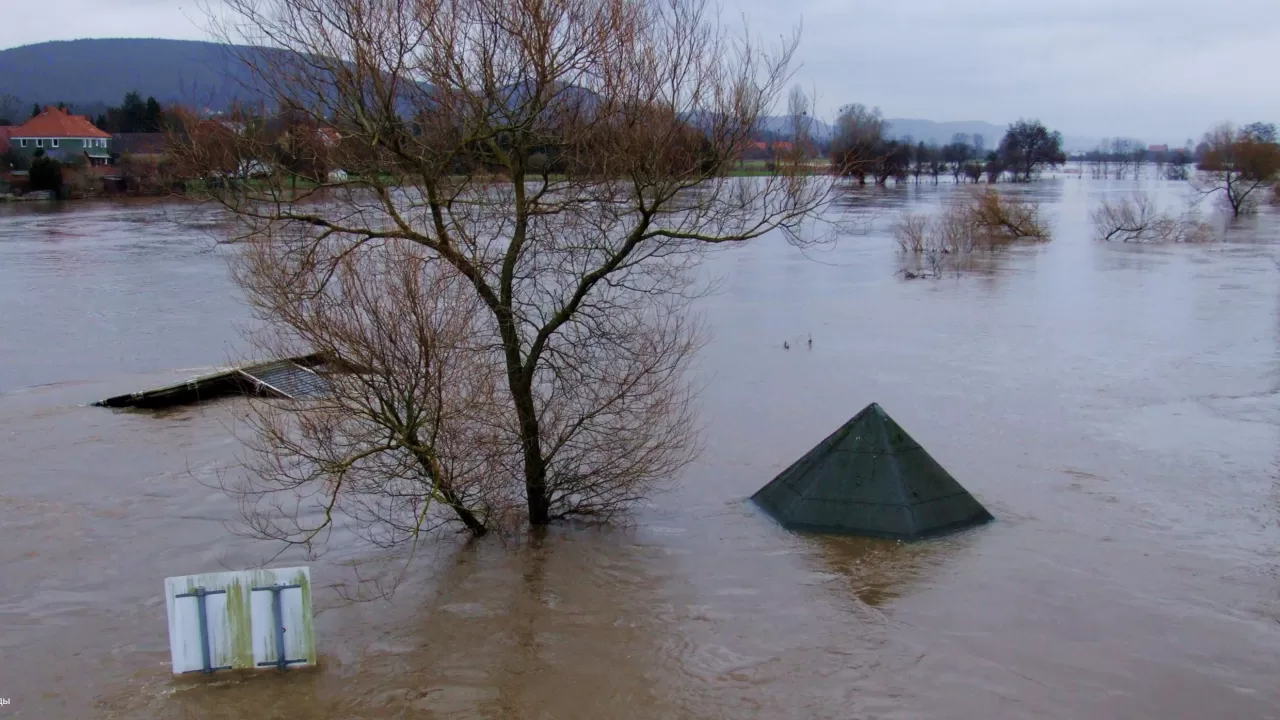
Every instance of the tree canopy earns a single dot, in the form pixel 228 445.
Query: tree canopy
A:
pixel 133 115
pixel 1029 146
pixel 1236 162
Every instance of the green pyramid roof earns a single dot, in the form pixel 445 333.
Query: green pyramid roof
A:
pixel 870 478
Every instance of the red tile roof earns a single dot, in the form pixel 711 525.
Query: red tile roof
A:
pixel 55 123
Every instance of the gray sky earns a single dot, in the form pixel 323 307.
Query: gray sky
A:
pixel 1159 70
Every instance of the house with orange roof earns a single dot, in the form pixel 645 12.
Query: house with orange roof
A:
pixel 62 136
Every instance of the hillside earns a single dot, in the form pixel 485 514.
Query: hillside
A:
pixel 90 73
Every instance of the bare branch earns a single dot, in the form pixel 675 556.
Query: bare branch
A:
pixel 1136 219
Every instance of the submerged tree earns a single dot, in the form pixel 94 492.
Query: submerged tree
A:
pixel 1236 163
pixel 857 144
pixel 957 153
pixel 1029 146
pixel 1178 160
pixel 556 168
pixel 1137 219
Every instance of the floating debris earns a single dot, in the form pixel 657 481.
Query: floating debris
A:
pixel 870 478
pixel 293 378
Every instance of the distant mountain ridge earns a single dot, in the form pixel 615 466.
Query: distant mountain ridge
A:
pixel 84 73
pixel 941 132
pixel 91 74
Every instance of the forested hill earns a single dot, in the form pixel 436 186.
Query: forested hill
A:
pixel 90 73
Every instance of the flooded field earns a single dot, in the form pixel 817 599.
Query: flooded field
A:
pixel 1116 407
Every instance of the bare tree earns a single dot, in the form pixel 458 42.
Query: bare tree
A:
pixel 1124 157
pixel 995 167
pixel 1136 218
pixel 1029 146
pixel 973 170
pixel 857 144
pixel 937 164
pixel 1139 154
pixel 920 156
pixel 1178 161
pixel 567 161
pixel 1235 163
pixel 1100 159
pixel 957 153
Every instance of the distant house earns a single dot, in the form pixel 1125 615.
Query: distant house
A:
pixel 764 150
pixel 755 150
pixel 62 136
pixel 1158 148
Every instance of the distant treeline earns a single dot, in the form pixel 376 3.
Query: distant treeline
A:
pixel 1121 158
pixel 861 151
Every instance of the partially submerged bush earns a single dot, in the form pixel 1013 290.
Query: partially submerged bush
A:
pixel 984 220
pixel 1136 219
pixel 912 232
pixel 1006 219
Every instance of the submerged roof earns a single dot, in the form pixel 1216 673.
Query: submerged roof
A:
pixel 296 378
pixel 870 478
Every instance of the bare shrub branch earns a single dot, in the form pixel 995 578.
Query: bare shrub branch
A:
pixel 911 232
pixel 982 220
pixel 410 437
pixel 1135 218
pixel 1006 219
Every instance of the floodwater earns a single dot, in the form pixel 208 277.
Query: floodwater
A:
pixel 1116 407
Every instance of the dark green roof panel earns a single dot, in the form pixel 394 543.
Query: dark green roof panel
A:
pixel 870 478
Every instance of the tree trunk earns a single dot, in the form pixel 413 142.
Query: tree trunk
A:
pixel 535 466
pixel 520 383
pixel 467 517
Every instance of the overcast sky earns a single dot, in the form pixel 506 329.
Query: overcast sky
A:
pixel 1159 70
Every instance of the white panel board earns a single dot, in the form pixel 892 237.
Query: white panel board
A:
pixel 241 621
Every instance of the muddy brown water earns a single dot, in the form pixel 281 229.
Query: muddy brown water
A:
pixel 1116 407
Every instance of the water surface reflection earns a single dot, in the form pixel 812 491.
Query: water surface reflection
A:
pixel 1117 408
